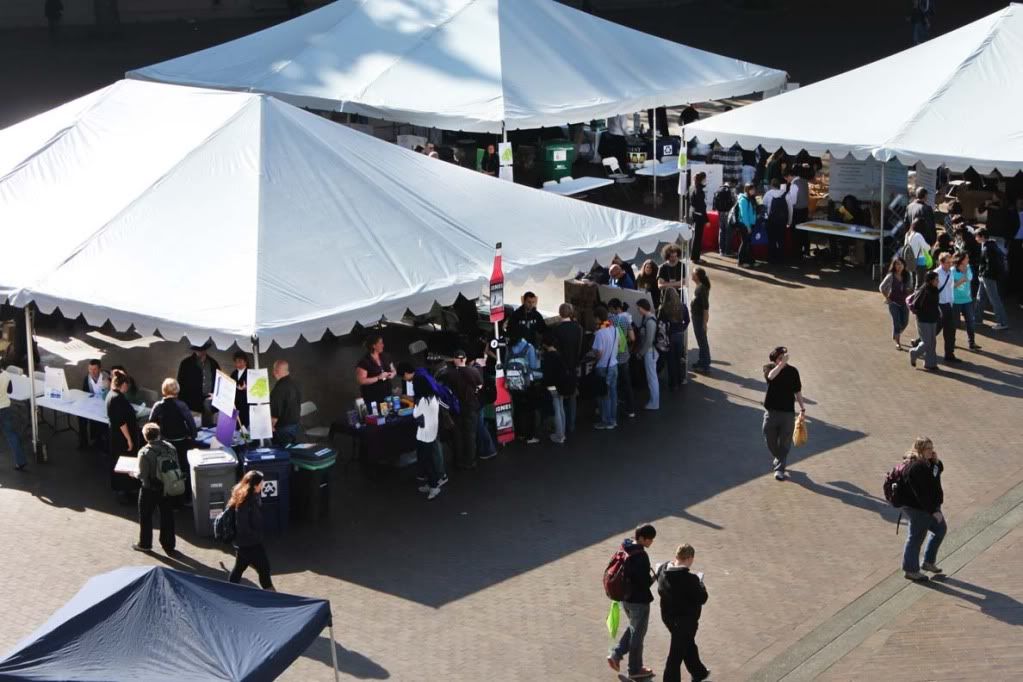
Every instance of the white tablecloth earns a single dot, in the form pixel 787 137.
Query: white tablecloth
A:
pixel 662 170
pixel 81 404
pixel 578 186
pixel 836 229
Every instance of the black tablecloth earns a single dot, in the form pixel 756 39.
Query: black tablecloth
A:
pixel 380 444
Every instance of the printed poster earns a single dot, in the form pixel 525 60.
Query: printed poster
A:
pixel 504 153
pixel 223 392
pixel 260 426
pixel 257 386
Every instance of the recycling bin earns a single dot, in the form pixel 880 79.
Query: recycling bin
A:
pixel 558 157
pixel 311 466
pixel 275 463
pixel 213 473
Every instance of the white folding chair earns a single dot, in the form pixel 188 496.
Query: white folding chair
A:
pixel 614 172
pixel 550 183
pixel 567 178
pixel 315 432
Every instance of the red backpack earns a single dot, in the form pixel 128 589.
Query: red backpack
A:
pixel 896 486
pixel 615 582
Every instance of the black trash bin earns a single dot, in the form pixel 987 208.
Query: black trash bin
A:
pixel 311 466
pixel 276 467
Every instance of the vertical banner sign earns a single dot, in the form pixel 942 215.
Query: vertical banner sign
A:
pixel 502 404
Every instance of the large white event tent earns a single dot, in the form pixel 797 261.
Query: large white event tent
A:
pixel 240 216
pixel 472 65
pixel 954 101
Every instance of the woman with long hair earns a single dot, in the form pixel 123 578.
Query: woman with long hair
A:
pixel 922 502
pixel 919 248
pixel 701 317
pixel 894 290
pixel 647 281
pixel 246 500
pixel 962 300
pixel 671 312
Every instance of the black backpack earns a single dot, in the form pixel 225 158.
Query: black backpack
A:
pixel 896 486
pixel 778 211
pixel 225 526
pixel 723 199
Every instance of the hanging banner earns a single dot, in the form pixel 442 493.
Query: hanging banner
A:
pixel 504 153
pixel 223 392
pixel 260 426
pixel 55 384
pixel 257 386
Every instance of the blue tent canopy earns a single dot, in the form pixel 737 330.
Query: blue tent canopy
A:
pixel 155 623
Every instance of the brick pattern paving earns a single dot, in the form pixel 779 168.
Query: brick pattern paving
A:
pixel 498 579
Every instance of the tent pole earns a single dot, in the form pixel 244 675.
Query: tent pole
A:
pixel 33 411
pixel 333 651
pixel 255 352
pixel 654 166
pixel 683 179
pixel 880 248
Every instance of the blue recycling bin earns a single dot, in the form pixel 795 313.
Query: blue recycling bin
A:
pixel 275 463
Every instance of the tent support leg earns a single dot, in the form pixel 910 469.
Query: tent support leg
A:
pixel 333 653
pixel 255 365
pixel 654 167
pixel 880 243
pixel 30 333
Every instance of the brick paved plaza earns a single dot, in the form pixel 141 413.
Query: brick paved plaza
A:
pixel 499 578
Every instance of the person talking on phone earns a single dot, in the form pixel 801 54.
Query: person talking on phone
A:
pixel 923 509
pixel 682 598
pixel 784 390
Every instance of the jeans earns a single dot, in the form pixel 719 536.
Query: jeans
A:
pixel 484 440
pixel 625 387
pixel 631 641
pixel 778 427
pixel 149 501
pixel 13 439
pixel 675 360
pixel 652 382
pixel 285 435
pixel 255 556
pixel 745 255
pixel 989 292
pixel 920 524
pixel 426 461
pixel 570 411
pixel 724 236
pixel 683 649
pixel 928 333
pixel 948 323
pixel 965 311
pixel 558 402
pixel 900 318
pixel 609 402
pixel 700 332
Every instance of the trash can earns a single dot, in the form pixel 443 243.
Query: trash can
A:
pixel 213 474
pixel 558 157
pixel 668 146
pixel 275 463
pixel 311 466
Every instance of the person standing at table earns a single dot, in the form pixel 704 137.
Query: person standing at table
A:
pixel 491 162
pixel 96 383
pixel 647 281
pixel 747 213
pixel 247 502
pixel 7 426
pixel 918 208
pixel 648 353
pixel 801 206
pixel 698 212
pixel 915 249
pixel 375 371
pixel 195 377
pixel 619 278
pixel 123 429
pixel 622 321
pixel 241 390
pixel 285 405
pixel 670 273
pixel 778 217
pixel 177 426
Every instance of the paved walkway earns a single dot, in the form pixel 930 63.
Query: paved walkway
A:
pixel 499 578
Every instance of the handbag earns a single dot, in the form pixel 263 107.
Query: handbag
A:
pixel 799 434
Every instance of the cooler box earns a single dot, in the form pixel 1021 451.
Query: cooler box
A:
pixel 311 465
pixel 213 474
pixel 275 463
pixel 710 232
pixel 558 157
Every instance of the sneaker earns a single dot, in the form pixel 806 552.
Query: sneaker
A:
pixel 932 369
pixel 642 674
pixel 489 456
pixel 442 480
pixel 601 426
pixel 139 548
pixel 916 576
pixel 434 492
pixel 952 359
pixel 421 479
pixel 631 415
pixel 611 427
pixel 651 408
pixel 912 357
pixel 999 327
pixel 532 441
pixel 974 346
pixel 931 568
pixel 701 678
pixel 613 664
pixel 559 441
pixel 779 475
pixel 425 488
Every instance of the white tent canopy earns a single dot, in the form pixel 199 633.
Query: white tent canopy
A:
pixel 468 65
pixel 954 100
pixel 222 215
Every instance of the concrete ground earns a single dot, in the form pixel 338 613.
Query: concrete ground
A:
pixel 499 578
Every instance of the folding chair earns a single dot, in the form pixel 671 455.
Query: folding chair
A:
pixel 613 171
pixel 315 432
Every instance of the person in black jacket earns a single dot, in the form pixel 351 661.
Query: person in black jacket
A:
pixel 636 605
pixel 990 271
pixel 682 598
pixel 526 322
pixel 124 441
pixel 928 314
pixel 241 390
pixel 555 378
pixel 285 406
pixel 196 375
pixel 922 507
pixel 177 426
pixel 698 213
pixel 247 501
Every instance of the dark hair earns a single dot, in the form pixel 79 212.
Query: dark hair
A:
pixel 118 378
pixel 95 363
pixel 405 367
pixel 615 303
pixel 643 304
pixel 528 294
pixel 958 259
pixel 931 277
pixel 670 249
pixel 422 387
pixel 600 312
pixel 371 341
pixel 748 186
pixel 702 274
pixel 921 192
pixel 241 355
pixel 549 339
pixel 980 232
pixel 896 259
pixel 646 531
pixel 777 353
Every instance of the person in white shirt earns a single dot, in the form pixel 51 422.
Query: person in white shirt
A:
pixel 427 415
pixel 778 219
pixel 946 303
pixel 96 383
pixel 916 262
pixel 605 344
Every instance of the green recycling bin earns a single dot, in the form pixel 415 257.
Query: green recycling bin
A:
pixel 558 157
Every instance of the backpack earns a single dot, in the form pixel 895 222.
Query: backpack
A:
pixel 723 199
pixel 615 579
pixel 168 471
pixel 444 393
pixel 913 300
pixel 778 211
pixel 896 486
pixel 662 340
pixel 518 376
pixel 225 526
pixel 908 256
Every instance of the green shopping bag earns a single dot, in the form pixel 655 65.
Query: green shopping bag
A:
pixel 613 616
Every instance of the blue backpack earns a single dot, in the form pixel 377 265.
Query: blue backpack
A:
pixel 444 394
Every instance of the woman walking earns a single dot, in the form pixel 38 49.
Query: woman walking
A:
pixel 246 500
pixel 427 415
pixel 673 312
pixel 922 506
pixel 962 301
pixel 894 289
pixel 700 309
pixel 928 314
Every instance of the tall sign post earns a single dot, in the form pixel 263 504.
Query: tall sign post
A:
pixel 503 403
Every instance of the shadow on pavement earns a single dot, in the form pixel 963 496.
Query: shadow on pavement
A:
pixel 348 662
pixel 846 493
pixel 992 603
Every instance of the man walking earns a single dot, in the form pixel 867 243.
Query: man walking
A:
pixel 946 304
pixel 990 270
pixel 151 493
pixel 682 598
pixel 648 354
pixel 784 389
pixel 636 605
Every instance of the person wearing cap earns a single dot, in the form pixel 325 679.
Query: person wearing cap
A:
pixel 465 382
pixel 196 374
pixel 784 389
